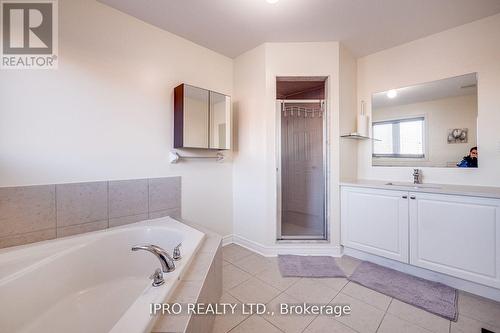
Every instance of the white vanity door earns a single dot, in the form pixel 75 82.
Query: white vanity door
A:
pixel 456 235
pixel 375 221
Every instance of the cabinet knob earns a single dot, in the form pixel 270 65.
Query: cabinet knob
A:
pixel 405 197
pixel 413 197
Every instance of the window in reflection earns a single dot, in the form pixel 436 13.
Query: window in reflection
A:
pixel 399 138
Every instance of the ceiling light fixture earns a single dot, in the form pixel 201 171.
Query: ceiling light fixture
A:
pixel 392 93
pixel 272 1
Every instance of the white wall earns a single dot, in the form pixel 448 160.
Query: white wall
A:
pixel 254 178
pixel 250 195
pixel 106 113
pixel 348 114
pixel 474 47
pixel 440 116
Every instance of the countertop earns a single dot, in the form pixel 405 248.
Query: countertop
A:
pixel 466 190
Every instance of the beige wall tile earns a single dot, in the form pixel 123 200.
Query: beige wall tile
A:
pixel 128 197
pixel 26 209
pixel 164 193
pixel 118 221
pixel 27 238
pixel 81 203
pixel 81 228
pixel 174 213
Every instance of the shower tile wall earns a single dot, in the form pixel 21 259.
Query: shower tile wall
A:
pixel 34 213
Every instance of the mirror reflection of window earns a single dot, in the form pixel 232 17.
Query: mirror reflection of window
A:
pixel 399 138
pixel 433 124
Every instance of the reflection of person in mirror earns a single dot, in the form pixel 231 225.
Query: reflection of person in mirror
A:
pixel 469 161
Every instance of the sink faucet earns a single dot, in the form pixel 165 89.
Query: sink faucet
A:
pixel 416 176
pixel 167 262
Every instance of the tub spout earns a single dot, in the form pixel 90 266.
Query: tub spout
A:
pixel 167 263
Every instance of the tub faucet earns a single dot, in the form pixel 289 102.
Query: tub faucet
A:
pixel 167 263
pixel 416 176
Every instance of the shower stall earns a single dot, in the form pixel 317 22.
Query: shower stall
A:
pixel 302 159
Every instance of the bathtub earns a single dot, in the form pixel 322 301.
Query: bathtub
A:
pixel 91 282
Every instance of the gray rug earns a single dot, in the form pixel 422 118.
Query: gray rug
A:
pixel 309 266
pixel 427 295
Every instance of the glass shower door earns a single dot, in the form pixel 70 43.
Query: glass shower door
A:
pixel 302 173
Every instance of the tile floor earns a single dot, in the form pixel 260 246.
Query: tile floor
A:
pixel 249 277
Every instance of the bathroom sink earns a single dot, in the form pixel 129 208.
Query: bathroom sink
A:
pixel 417 186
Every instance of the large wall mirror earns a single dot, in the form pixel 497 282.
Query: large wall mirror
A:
pixel 433 124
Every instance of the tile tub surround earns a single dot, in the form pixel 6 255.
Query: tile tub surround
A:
pixel 202 283
pixel 31 214
pixel 371 311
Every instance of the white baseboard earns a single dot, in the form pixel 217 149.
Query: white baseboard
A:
pixel 319 249
pixel 471 287
pixel 226 240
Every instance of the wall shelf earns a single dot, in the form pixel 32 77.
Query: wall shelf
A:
pixel 356 136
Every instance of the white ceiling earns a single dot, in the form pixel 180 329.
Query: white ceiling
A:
pixel 451 87
pixel 232 27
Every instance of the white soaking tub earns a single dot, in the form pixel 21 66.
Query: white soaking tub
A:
pixel 91 282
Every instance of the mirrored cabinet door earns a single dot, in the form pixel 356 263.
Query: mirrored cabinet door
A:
pixel 202 118
pixel 196 115
pixel 220 120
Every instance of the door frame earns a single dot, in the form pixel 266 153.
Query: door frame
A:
pixel 326 170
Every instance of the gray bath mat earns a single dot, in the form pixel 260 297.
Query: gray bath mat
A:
pixel 309 266
pixel 427 295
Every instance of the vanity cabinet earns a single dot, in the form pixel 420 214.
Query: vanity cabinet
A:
pixel 451 234
pixel 202 118
pixel 456 235
pixel 376 221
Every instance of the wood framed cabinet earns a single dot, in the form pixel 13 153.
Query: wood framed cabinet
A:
pixel 375 221
pixel 456 235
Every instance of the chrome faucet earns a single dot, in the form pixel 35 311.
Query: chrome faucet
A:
pixel 167 262
pixel 177 253
pixel 416 176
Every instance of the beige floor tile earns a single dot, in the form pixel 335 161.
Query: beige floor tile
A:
pixel 233 276
pixel 419 317
pixel 465 324
pixel 333 283
pixel 479 308
pixel 348 264
pixel 254 291
pixel 364 318
pixel 254 264
pixel 391 324
pixel 272 276
pixel 233 253
pixel 255 324
pixel 367 295
pixel 311 291
pixel 287 322
pixel 323 324
pixel 224 323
